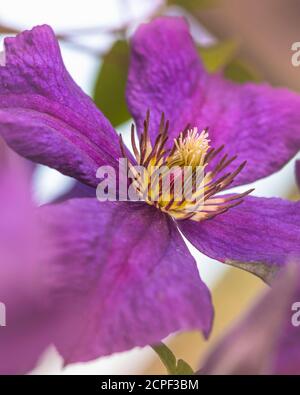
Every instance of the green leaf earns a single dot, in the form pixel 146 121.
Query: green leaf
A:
pixel 217 56
pixel 239 71
pixel 169 360
pixel 222 57
pixel 193 6
pixel 109 90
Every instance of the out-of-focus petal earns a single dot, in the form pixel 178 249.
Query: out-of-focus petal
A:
pixel 258 123
pixel 287 352
pixel 259 235
pixel 28 329
pixel 128 269
pixel 45 116
pixel 265 340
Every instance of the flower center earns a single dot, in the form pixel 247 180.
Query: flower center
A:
pixel 184 181
pixel 189 149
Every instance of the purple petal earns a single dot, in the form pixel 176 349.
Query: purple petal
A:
pixel 298 172
pixel 164 74
pixel 32 320
pixel 287 360
pixel 264 341
pixel 45 116
pixel 259 235
pixel 258 123
pixel 28 330
pixel 128 269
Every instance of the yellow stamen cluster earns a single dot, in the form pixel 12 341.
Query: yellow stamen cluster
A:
pixel 191 149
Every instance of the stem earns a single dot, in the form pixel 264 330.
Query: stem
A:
pixel 68 36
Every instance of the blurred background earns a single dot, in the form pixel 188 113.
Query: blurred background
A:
pixel 249 39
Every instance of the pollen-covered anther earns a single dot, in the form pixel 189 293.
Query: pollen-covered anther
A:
pixel 183 182
pixel 190 148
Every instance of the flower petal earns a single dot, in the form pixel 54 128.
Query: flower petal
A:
pixel 26 329
pixel 130 272
pixel 164 74
pixel 287 359
pixel 45 116
pixel 31 321
pixel 264 341
pixel 259 235
pixel 258 123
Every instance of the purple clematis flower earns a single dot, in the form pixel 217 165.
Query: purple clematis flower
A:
pixel 25 328
pixel 267 339
pixel 124 264
pixel 29 320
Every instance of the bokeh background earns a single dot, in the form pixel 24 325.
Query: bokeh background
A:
pixel 250 39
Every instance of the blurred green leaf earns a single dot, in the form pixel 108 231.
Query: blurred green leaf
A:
pixel 222 57
pixel 109 90
pixel 170 362
pixel 193 6
pixel 239 71
pixel 217 56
